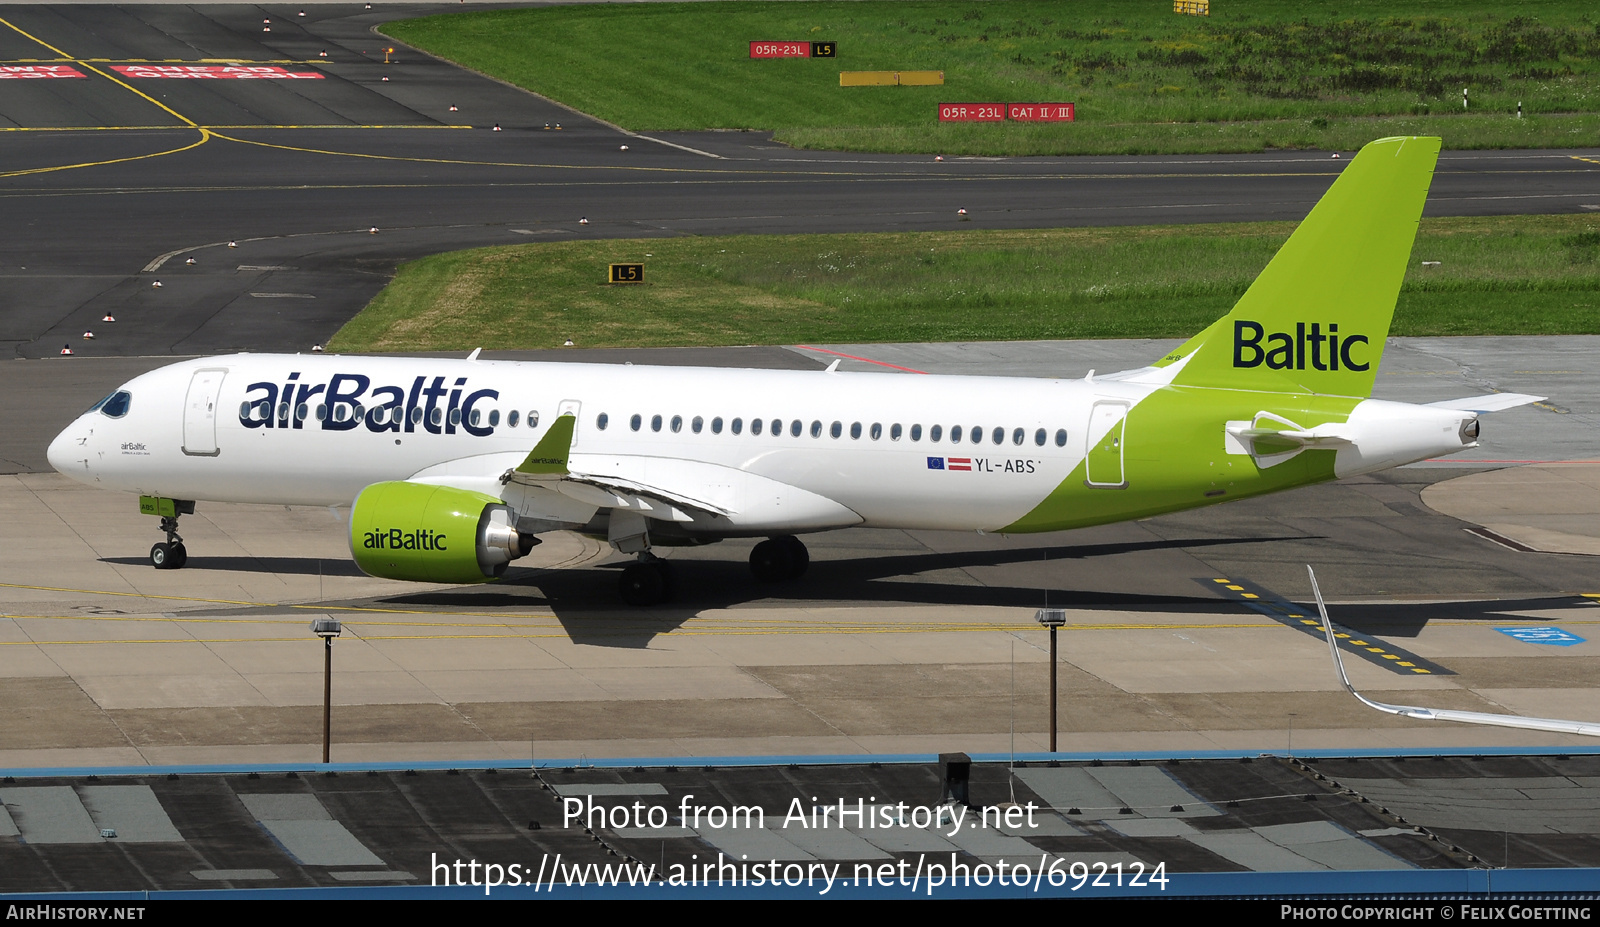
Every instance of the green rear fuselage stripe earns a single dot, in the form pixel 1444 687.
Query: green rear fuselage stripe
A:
pixel 1175 456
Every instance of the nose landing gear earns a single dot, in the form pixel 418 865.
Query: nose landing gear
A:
pixel 170 555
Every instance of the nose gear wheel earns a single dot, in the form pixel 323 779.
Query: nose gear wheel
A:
pixel 170 555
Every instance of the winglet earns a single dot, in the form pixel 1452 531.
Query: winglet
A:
pixel 1327 628
pixel 549 456
pixel 1548 725
pixel 1407 711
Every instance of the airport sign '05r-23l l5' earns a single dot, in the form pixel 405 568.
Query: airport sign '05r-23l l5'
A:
pixel 454 467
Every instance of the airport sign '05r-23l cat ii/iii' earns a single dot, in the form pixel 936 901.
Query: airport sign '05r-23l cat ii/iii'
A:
pixel 456 466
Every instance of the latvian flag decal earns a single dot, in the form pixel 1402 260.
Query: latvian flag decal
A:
pixel 949 463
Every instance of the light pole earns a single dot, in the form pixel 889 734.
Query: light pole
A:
pixel 1052 618
pixel 327 629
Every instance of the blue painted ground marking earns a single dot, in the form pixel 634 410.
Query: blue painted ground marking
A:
pixel 1554 636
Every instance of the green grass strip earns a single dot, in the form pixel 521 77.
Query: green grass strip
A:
pixel 1507 275
pixel 1253 75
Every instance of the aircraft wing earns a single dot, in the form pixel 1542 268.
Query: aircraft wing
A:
pixel 549 467
pixel 709 496
pixel 1552 725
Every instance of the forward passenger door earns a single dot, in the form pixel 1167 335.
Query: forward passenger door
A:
pixel 200 412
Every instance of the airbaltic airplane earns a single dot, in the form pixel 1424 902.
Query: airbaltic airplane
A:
pixel 455 466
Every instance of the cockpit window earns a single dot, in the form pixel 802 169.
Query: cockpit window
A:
pixel 114 405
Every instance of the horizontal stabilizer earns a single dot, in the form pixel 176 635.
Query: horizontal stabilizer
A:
pixel 1489 402
pixel 1331 434
pixel 1272 439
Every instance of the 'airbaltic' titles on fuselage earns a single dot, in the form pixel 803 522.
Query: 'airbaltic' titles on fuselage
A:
pixel 386 408
pixel 1290 352
pixel 395 539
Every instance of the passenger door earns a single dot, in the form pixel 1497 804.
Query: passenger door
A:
pixel 200 412
pixel 1103 463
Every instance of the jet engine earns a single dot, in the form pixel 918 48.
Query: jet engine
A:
pixel 433 534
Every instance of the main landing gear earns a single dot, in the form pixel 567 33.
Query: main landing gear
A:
pixel 650 580
pixel 777 559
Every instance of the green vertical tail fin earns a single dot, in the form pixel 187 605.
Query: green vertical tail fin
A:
pixel 1316 318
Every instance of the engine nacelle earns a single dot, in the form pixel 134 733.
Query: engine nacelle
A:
pixel 432 534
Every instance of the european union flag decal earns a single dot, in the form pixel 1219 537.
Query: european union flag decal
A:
pixel 935 463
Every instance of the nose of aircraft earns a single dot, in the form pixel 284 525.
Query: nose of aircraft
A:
pixel 61 453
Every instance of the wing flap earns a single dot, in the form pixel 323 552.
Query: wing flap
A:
pixel 649 502
pixel 711 495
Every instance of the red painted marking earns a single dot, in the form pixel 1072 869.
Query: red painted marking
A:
pixel 780 49
pixel 1040 112
pixel 213 72
pixel 35 72
pixel 972 112
pixel 867 360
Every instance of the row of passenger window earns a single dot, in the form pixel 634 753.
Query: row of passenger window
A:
pixel 343 412
pixel 974 434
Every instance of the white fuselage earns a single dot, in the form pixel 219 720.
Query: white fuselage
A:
pixel 175 443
